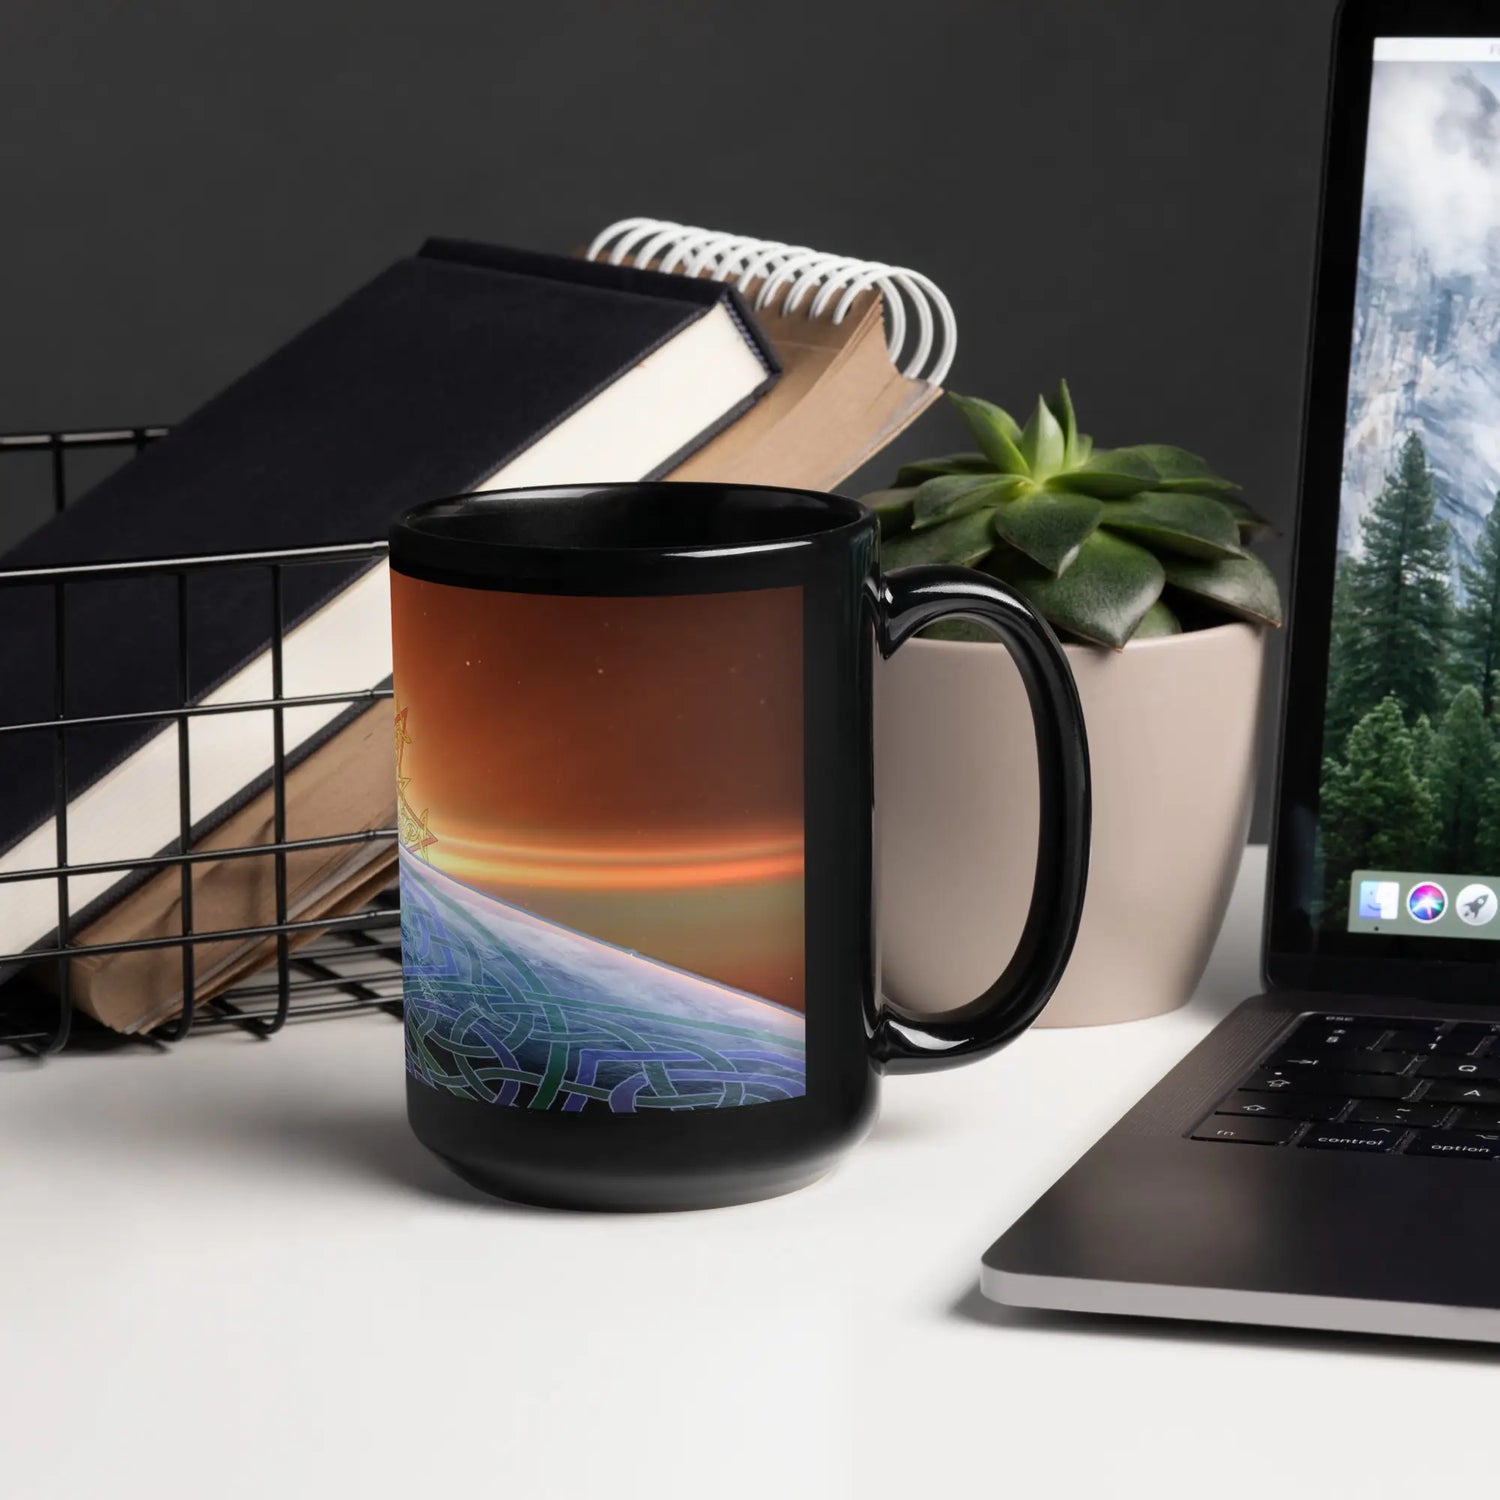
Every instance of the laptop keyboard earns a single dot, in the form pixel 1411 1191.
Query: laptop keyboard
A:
pixel 1351 1083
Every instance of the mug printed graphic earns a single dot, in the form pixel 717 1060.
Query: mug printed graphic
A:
pixel 601 846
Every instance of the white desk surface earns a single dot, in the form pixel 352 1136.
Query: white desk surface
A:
pixel 229 1271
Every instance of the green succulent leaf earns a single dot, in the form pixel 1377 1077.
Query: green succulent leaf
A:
pixel 1110 474
pixel 1240 586
pixel 1253 526
pixel 1043 445
pixel 1118 473
pixel 994 430
pixel 1158 620
pixel 988 413
pixel 1194 525
pixel 952 495
pixel 1083 448
pixel 1062 408
pixel 893 509
pixel 1102 597
pixel 952 463
pixel 1049 527
pixel 965 541
pixel 1180 469
pixel 1209 484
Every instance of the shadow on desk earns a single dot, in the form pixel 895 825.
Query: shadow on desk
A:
pixel 974 1307
pixel 123 1109
pixel 375 1144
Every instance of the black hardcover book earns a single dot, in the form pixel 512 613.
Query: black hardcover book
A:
pixel 463 367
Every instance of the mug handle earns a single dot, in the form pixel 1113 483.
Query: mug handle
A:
pixel 906 602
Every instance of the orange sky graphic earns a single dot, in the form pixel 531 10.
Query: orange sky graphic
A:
pixel 629 767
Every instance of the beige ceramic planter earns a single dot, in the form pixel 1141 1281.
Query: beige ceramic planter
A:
pixel 1171 725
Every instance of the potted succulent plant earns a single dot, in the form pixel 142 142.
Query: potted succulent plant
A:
pixel 1140 559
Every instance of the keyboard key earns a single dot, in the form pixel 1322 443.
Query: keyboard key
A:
pixel 1353 1137
pixel 1336 1031
pixel 1271 1083
pixel 1282 1106
pixel 1459 1041
pixel 1399 1114
pixel 1466 1143
pixel 1316 1081
pixel 1250 1132
pixel 1458 1092
pixel 1341 1059
pixel 1482 1070
pixel 1356 1085
pixel 1477 1119
pixel 1453 1041
pixel 1459 1044
pixel 1479 1031
pixel 1426 1041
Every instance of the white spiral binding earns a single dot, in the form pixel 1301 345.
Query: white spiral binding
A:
pixel 827 284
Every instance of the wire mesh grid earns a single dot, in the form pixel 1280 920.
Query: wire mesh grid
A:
pixel 323 966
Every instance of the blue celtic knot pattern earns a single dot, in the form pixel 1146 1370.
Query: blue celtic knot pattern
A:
pixel 503 1007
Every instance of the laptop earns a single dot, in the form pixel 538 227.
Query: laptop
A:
pixel 1329 1156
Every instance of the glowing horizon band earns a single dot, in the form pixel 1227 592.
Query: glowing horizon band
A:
pixel 671 867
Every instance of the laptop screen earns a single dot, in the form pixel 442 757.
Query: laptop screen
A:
pixel 1409 796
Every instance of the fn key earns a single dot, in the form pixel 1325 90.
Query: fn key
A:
pixel 1250 1132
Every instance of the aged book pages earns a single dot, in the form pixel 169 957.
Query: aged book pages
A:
pixel 839 401
pixel 346 786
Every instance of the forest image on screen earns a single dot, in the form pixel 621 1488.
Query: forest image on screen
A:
pixel 1411 771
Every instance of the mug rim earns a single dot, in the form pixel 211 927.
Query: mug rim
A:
pixel 413 534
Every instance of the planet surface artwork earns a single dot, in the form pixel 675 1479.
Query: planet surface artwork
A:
pixel 600 811
pixel 506 1007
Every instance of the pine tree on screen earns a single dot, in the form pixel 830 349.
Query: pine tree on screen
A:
pixel 1423 743
pixel 1463 765
pixel 1342 636
pixel 1476 627
pixel 1393 617
pixel 1488 854
pixel 1378 813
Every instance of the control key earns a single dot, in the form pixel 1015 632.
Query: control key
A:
pixel 1353 1137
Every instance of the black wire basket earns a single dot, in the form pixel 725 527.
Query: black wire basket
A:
pixel 352 965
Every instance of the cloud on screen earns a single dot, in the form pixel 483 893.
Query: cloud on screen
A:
pixel 1434 157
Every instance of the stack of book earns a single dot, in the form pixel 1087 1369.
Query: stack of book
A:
pixel 664 351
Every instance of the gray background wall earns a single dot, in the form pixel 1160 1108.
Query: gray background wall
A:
pixel 1121 191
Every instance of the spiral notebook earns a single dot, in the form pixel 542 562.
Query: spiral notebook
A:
pixel 864 348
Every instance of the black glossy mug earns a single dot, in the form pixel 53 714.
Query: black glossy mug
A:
pixel 634 753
